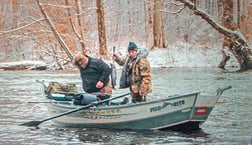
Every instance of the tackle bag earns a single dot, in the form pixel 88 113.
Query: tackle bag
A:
pixel 86 98
pixel 60 88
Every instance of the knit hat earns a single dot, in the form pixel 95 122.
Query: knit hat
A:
pixel 132 46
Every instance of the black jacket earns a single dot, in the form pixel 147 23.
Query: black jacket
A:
pixel 96 70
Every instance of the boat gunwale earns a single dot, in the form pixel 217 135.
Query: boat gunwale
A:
pixel 129 105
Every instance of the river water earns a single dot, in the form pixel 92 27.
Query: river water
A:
pixel 230 122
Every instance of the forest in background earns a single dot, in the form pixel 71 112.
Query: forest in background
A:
pixel 95 26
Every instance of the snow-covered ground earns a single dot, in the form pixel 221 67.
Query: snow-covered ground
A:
pixel 178 54
pixel 182 54
pixel 185 55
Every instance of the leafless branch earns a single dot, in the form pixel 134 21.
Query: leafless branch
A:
pixel 175 12
pixel 170 3
pixel 19 28
pixel 213 23
pixel 54 55
pixel 71 21
pixel 60 6
pixel 55 32
pixel 174 3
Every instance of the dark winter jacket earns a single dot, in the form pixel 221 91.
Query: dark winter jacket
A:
pixel 96 70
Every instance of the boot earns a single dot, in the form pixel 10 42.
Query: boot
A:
pixel 125 101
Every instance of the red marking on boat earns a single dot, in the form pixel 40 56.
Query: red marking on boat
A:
pixel 201 110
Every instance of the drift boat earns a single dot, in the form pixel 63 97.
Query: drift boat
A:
pixel 179 112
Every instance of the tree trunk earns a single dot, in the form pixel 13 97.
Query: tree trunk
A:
pixel 55 32
pixel 238 45
pixel 101 28
pixel 15 13
pixel 80 32
pixel 79 14
pixel 227 22
pixel 158 28
pixel 149 8
pixel 245 19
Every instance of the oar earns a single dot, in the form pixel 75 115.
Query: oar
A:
pixel 49 101
pixel 35 123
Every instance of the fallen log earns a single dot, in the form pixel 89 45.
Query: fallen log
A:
pixel 23 65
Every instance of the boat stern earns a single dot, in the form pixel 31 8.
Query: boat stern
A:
pixel 205 104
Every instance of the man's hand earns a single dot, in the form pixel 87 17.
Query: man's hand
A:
pixel 114 57
pixel 99 84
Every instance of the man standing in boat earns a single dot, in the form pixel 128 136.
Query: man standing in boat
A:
pixel 95 74
pixel 136 73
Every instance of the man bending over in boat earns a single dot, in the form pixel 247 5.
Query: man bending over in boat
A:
pixel 94 74
pixel 136 73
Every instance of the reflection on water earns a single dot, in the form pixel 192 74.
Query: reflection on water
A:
pixel 229 123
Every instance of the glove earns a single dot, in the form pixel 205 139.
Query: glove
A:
pixel 114 57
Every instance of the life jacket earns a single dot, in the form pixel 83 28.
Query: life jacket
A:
pixel 124 80
pixel 124 75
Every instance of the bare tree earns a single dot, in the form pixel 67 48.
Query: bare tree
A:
pixel 149 8
pixel 55 32
pixel 158 27
pixel 79 33
pixel 238 45
pixel 101 27
pixel 15 13
pixel 228 22
pixel 244 9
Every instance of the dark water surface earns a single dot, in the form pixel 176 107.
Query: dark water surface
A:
pixel 230 123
